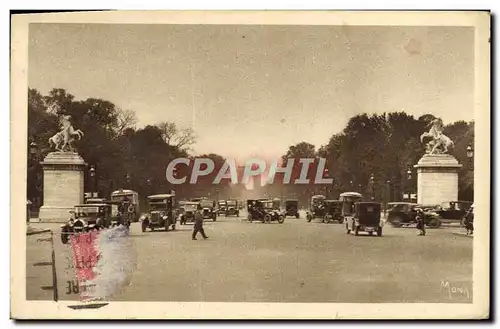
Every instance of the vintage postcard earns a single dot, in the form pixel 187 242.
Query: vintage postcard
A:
pixel 250 165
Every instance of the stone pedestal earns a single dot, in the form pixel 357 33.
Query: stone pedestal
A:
pixel 63 174
pixel 437 179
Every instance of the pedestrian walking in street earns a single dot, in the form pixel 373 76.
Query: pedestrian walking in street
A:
pixel 198 225
pixel 420 222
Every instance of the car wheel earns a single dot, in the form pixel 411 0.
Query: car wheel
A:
pixel 435 222
pixel 281 219
pixel 356 230
pixel 297 215
pixel 267 219
pixel 309 218
pixel 379 231
pixel 347 230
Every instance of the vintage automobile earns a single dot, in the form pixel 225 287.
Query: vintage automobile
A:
pixel 87 217
pixel 232 208
pixel 453 210
pixel 292 207
pixel 348 200
pixel 130 201
pixel 265 211
pixel 255 210
pixel 187 211
pixel 333 211
pixel 316 207
pixel 221 207
pixel 366 217
pixel 208 210
pixel 403 214
pixel 162 213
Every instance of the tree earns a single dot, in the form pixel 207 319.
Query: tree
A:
pixel 174 136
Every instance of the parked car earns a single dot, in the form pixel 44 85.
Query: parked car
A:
pixel 333 211
pixel 366 217
pixel 208 210
pixel 292 207
pixel 187 211
pixel 316 207
pixel 232 208
pixel 87 217
pixel 221 207
pixel 162 212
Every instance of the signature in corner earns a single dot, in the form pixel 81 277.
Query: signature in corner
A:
pixel 454 290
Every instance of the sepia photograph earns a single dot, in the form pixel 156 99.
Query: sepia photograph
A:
pixel 251 165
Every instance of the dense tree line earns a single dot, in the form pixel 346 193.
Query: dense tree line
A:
pixel 384 146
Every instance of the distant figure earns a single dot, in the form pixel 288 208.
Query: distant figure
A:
pixel 198 225
pixel 420 222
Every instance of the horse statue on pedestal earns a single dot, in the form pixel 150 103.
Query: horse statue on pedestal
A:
pixel 63 140
pixel 440 143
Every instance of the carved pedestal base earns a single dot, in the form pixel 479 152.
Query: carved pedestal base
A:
pixel 62 185
pixel 437 179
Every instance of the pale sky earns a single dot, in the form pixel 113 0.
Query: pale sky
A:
pixel 254 90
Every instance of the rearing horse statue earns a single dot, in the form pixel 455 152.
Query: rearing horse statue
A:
pixel 64 139
pixel 440 143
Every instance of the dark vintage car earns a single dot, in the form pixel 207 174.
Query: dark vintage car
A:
pixel 232 208
pixel 87 217
pixel 453 210
pixel 292 208
pixel 403 214
pixel 162 213
pixel 186 212
pixel 366 217
pixel 221 207
pixel 333 211
pixel 265 211
pixel 208 210
pixel 316 207
pixel 255 210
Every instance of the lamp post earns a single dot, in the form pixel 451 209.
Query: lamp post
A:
pixel 93 181
pixel 387 194
pixel 33 151
pixel 409 176
pixel 470 156
pixel 372 184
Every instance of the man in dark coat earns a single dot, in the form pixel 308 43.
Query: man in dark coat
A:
pixel 198 225
pixel 420 221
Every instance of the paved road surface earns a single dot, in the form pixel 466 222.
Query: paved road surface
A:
pixel 291 262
